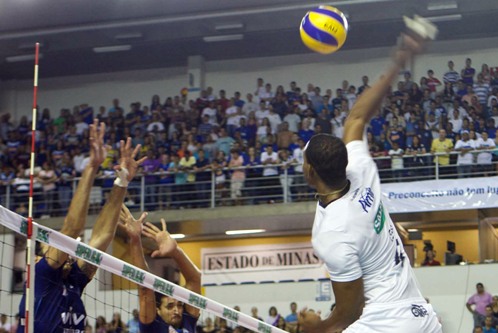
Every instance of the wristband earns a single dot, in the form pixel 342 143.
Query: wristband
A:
pixel 122 179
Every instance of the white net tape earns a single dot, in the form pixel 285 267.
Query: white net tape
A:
pixel 120 268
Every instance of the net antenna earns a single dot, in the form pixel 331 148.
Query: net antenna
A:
pixel 31 239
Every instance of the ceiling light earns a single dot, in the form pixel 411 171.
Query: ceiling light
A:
pixel 445 18
pixel 177 236
pixel 442 6
pixel 133 35
pixel 412 230
pixel 115 48
pixel 25 57
pixel 233 26
pixel 222 38
pixel 244 232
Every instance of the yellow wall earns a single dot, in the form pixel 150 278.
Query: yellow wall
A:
pixel 467 244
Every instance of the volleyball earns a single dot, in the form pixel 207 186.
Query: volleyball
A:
pixel 324 29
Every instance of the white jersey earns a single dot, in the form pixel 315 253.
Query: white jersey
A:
pixel 468 157
pixel 485 157
pixel 356 237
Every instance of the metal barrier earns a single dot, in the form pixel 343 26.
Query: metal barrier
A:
pixel 147 193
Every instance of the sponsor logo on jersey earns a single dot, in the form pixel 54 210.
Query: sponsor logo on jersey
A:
pixel 69 318
pixel 87 253
pixel 163 287
pixel 380 218
pixel 419 311
pixel 197 301
pixel 366 199
pixel 230 315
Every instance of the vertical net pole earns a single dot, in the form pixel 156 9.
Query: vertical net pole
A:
pixel 31 239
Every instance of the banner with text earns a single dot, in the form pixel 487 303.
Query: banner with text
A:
pixel 438 195
pixel 261 264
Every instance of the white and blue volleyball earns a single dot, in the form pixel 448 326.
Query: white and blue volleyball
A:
pixel 324 29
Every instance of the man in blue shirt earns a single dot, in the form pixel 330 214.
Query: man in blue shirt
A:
pixel 59 280
pixel 165 314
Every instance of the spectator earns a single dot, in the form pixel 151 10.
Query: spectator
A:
pixel 451 76
pixel 150 167
pixel 479 300
pixel 284 136
pixel 117 325
pixel 254 313
pixel 432 83
pixel 203 179
pixel 133 323
pixel 489 314
pixel 465 156
pixel 468 73
pixel 293 119
pixel 286 171
pixel 100 325
pixel 415 162
pixel 397 164
pixel 187 164
pixel 273 316
pixel 238 176
pixel 269 158
pixel 4 325
pixel 208 325
pixel 488 326
pixel 65 174
pixel 484 159
pixel 430 260
pixel 48 178
pixel 442 146
pixel 291 319
pixel 224 142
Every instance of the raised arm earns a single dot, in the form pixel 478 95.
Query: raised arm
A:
pixel 78 210
pixel 105 225
pixel 167 247
pixel 370 100
pixel 133 228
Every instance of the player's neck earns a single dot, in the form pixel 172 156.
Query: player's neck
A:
pixel 325 194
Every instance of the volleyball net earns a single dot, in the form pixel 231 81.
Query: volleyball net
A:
pixel 99 298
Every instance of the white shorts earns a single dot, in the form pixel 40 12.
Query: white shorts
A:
pixel 406 317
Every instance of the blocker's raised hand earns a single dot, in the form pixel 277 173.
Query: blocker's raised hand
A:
pixel 98 151
pixel 127 159
pixel 166 245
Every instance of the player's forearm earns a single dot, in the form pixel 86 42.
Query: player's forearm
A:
pixel 189 271
pixel 78 210
pixel 338 321
pixel 146 296
pixel 105 226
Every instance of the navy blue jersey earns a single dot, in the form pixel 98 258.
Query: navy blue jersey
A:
pixel 58 305
pixel 159 326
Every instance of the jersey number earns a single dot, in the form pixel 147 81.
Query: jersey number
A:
pixel 399 257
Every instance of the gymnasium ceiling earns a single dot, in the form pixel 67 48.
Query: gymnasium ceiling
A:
pixel 163 33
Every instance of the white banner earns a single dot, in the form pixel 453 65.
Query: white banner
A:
pixel 438 195
pixel 118 267
pixel 261 264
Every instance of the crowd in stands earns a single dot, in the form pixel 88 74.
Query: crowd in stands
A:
pixel 187 139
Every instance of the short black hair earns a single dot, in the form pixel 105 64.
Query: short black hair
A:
pixel 328 156
pixel 159 299
pixel 479 285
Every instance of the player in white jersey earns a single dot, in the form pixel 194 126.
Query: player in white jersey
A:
pixel 373 283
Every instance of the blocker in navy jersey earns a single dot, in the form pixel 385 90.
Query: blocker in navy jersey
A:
pixel 58 306
pixel 160 326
